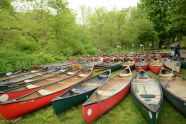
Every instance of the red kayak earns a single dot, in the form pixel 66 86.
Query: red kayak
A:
pixel 33 86
pixel 156 66
pixel 142 65
pixel 25 104
pixel 107 96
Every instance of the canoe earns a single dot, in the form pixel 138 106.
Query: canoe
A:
pixel 40 98
pixel 109 65
pixel 155 65
pixel 34 85
pixel 174 88
pixel 26 75
pixel 137 58
pixel 130 63
pixel 107 96
pixel 183 63
pixel 12 73
pixel 142 65
pixel 172 64
pixel 14 85
pixel 147 95
pixel 79 93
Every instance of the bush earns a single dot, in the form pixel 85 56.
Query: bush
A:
pixel 14 60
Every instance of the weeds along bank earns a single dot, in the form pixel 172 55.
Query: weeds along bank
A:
pixel 14 60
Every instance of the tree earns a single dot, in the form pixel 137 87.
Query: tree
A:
pixel 139 29
pixel 157 13
pixel 177 17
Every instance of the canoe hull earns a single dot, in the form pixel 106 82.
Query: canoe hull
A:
pixel 97 69
pixel 13 95
pixel 116 67
pixel 93 111
pixel 144 67
pixel 151 117
pixel 183 65
pixel 17 109
pixel 178 103
pixel 62 105
pixel 155 69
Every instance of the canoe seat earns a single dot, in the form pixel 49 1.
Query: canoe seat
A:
pixel 145 83
pixel 44 92
pixel 33 71
pixel 91 84
pixel 62 70
pixel 26 81
pixel 78 91
pixel 31 86
pixel 102 76
pixel 144 79
pixel 70 73
pixel 83 75
pixel 147 95
pixel 104 93
pixel 124 75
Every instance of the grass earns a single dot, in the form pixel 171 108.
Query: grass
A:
pixel 123 113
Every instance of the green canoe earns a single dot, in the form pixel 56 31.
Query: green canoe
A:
pixel 174 89
pixel 183 65
pixel 79 92
pixel 147 95
pixel 113 66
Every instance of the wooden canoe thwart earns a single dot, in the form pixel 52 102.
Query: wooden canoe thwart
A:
pixel 172 64
pixel 174 88
pixel 155 66
pixel 40 98
pixel 107 96
pixel 147 95
pixel 32 86
pixel 79 93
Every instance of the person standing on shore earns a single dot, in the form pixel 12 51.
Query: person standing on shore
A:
pixel 177 50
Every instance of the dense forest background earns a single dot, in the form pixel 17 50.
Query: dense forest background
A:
pixel 39 36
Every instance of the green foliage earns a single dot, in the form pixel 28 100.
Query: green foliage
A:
pixel 14 60
pixel 177 17
pixel 139 29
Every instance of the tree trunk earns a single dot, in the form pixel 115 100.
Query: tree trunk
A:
pixel 160 44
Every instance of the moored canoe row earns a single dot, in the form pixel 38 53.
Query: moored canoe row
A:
pixel 42 97
pixel 71 85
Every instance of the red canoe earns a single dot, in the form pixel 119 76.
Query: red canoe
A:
pixel 33 86
pixel 137 59
pixel 107 96
pixel 156 66
pixel 40 98
pixel 142 65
